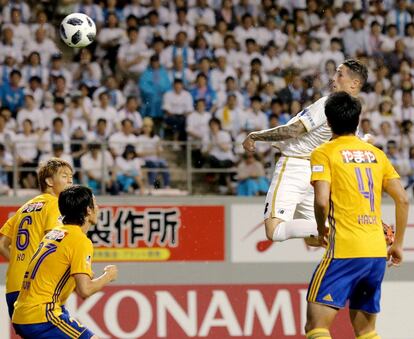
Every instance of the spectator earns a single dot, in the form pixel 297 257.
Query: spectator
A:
pixel 178 71
pixel 384 135
pixel 355 38
pixel 11 123
pixel 27 154
pixel 31 112
pixel 230 88
pixel 201 12
pixel 119 140
pixel 201 49
pixel 232 117
pixel 251 177
pixel 130 112
pixel 149 148
pixel 94 11
pixel 12 95
pixel 34 67
pixel 132 55
pixel 177 104
pixel 153 84
pixel 100 133
pixel 56 135
pixel 17 5
pixel 227 14
pixel 99 170
pixel 6 165
pixel 87 71
pixel 42 22
pixel 35 88
pixel 9 46
pixel 389 40
pixel 179 48
pixel 105 111
pixel 181 25
pixel 217 149
pixel 153 30
pixel 79 112
pixel 197 128
pixel 77 149
pixel 58 69
pixel 400 164
pixel 21 30
pixel 109 38
pixel 57 151
pixel 399 16
pixel 202 90
pixel 116 97
pixel 129 175
pixel 7 136
pixel 45 46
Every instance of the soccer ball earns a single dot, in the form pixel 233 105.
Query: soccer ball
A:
pixel 77 30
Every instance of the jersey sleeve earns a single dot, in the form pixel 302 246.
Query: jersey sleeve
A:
pixel 313 116
pixel 81 261
pixel 8 228
pixel 320 166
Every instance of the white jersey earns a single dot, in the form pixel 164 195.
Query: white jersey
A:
pixel 314 119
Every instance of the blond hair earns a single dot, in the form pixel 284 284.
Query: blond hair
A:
pixel 49 169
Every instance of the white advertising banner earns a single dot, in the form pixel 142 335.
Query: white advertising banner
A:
pixel 219 311
pixel 249 244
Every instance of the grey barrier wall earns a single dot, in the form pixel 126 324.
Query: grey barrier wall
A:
pixel 226 272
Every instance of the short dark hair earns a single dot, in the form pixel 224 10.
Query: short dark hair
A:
pixel 357 69
pixel 342 112
pixel 73 204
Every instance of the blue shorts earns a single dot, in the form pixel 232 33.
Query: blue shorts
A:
pixel 356 279
pixel 11 299
pixel 58 327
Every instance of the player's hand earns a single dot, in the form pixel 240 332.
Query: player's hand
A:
pixel 248 143
pixel 111 271
pixel 369 138
pixel 395 255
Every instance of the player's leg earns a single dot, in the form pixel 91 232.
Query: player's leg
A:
pixel 290 185
pixel 318 321
pixel 363 324
pixel 329 289
pixel 364 302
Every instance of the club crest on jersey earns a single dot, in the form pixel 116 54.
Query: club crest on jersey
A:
pixel 33 207
pixel 358 157
pixel 56 235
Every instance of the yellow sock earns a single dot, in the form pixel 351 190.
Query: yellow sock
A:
pixel 319 333
pixel 370 335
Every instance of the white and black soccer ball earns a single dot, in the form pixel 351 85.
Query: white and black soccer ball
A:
pixel 77 30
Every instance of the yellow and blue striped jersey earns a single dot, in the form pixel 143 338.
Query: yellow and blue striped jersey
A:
pixel 356 172
pixel 48 280
pixel 25 229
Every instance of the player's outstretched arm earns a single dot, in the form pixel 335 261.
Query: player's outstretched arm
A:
pixel 85 286
pixel 278 133
pixel 5 246
pixel 394 188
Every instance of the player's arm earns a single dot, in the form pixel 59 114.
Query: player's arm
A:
pixel 292 130
pixel 321 205
pixel 5 242
pixel 85 286
pixel 394 188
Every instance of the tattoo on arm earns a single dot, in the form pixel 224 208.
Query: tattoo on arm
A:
pixel 280 132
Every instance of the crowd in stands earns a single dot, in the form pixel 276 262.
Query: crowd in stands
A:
pixel 204 71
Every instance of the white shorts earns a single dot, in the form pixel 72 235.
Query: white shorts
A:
pixel 290 194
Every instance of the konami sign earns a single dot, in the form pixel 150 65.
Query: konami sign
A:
pixel 222 311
